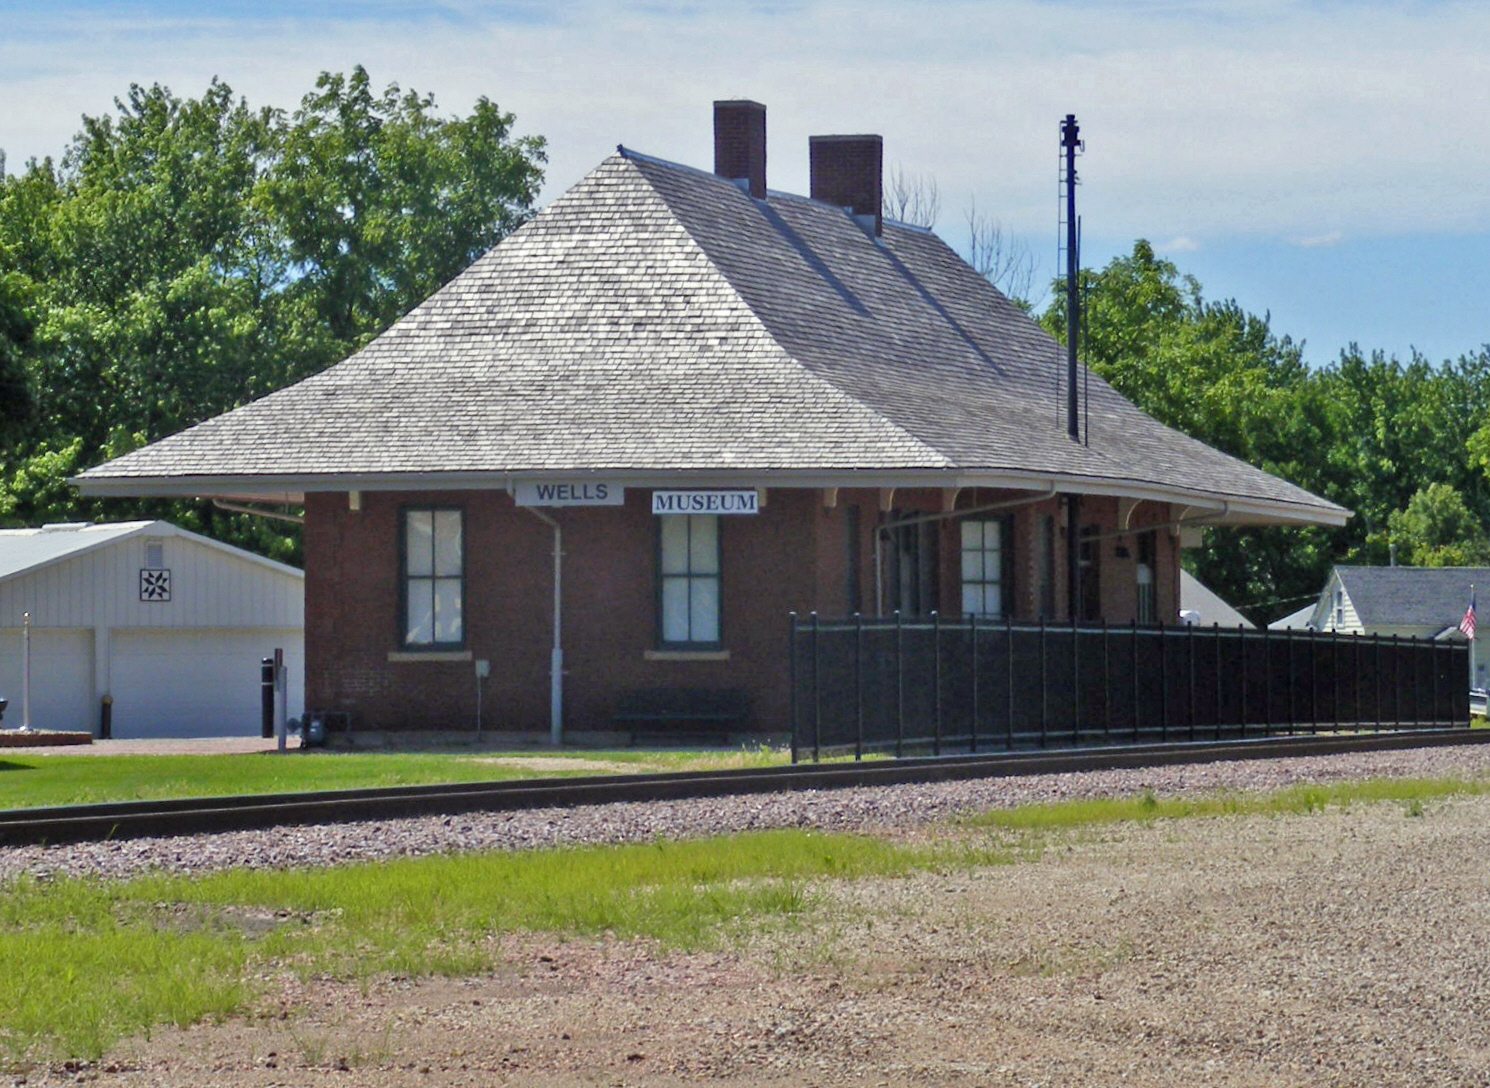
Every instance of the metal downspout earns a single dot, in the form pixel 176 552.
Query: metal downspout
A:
pixel 556 655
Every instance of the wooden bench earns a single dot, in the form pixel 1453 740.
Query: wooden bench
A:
pixel 681 716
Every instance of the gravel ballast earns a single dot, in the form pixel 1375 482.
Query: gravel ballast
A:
pixel 860 808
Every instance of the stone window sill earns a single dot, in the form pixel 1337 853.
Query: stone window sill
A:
pixel 408 656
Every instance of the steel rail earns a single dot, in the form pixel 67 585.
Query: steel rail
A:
pixel 203 815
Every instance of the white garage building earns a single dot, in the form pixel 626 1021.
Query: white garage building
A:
pixel 170 624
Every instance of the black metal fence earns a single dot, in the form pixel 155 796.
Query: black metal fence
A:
pixel 925 684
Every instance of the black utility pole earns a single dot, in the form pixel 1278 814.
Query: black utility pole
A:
pixel 1071 143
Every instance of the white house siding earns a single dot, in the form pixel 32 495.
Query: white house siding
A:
pixel 101 588
pixel 61 678
pixel 198 653
pixel 1349 622
pixel 198 683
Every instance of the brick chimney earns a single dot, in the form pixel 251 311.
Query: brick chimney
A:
pixel 847 171
pixel 740 143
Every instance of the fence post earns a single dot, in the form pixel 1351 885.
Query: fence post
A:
pixel 1288 655
pixel 1313 682
pixel 1396 682
pixel 1106 683
pixel 1412 657
pixel 1075 685
pixel 1376 642
pixel 858 686
pixel 1433 678
pixel 1242 645
pixel 1044 693
pixel 1267 684
pixel 1216 627
pixel 936 679
pixel 1163 683
pixel 899 686
pixel 1334 675
pixel 1009 678
pixel 973 638
pixel 1355 686
pixel 791 658
pixel 817 698
pixel 1133 655
pixel 1189 635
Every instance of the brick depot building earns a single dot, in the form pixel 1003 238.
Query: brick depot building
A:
pixel 617 451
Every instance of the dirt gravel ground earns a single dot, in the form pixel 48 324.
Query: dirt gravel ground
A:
pixel 1338 948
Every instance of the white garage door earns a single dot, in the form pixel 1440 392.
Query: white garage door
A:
pixel 197 682
pixel 61 678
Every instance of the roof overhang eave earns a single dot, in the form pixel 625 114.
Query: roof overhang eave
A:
pixel 1230 509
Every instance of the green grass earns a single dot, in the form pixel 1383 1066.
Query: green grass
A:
pixel 27 782
pixel 87 962
pixel 1293 800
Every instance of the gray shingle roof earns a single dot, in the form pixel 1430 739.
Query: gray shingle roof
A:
pixel 656 318
pixel 1411 596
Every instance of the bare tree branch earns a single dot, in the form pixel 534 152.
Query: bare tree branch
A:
pixel 1000 258
pixel 912 198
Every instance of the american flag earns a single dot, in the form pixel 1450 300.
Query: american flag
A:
pixel 1467 623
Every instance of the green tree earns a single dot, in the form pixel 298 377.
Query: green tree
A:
pixel 1384 438
pixel 17 406
pixel 381 202
pixel 1209 369
pixel 1218 373
pixel 188 255
pixel 1437 529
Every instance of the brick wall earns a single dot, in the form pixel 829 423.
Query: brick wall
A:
pixel 770 566
pixel 797 554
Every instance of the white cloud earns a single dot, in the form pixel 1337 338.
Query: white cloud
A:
pixel 1202 118
pixel 1179 244
pixel 1319 241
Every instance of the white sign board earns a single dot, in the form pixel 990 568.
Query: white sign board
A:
pixel 568 493
pixel 706 502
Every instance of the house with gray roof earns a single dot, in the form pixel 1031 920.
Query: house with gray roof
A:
pixel 1408 602
pixel 154 629
pixel 618 450
pixel 1411 602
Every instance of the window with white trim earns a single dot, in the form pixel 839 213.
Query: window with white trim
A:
pixel 688 573
pixel 983 566
pixel 433 578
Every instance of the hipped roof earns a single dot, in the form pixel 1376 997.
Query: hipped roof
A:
pixel 657 324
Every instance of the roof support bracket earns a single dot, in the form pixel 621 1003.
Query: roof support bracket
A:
pixel 257 511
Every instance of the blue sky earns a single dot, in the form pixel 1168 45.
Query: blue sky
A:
pixel 1319 160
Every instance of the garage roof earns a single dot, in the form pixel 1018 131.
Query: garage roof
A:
pixel 25 550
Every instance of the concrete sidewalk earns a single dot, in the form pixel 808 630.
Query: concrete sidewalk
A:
pixel 154 746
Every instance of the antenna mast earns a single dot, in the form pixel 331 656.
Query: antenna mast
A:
pixel 1070 145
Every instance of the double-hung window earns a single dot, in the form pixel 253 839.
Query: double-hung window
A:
pixel 983 566
pixel 688 566
pixel 433 578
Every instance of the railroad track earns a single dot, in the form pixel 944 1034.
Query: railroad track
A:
pixel 189 816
